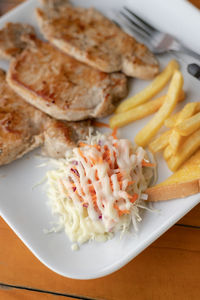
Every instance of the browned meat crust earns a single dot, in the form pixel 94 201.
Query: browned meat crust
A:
pixel 63 87
pixel 92 38
pixel 24 128
pixel 21 125
pixel 12 39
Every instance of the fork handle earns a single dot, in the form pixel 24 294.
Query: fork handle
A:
pixel 189 52
pixel 194 70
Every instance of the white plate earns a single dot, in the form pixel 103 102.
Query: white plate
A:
pixel 26 211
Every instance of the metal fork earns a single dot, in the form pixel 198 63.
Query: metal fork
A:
pixel 158 42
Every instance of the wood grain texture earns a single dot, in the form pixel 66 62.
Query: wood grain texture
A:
pixel 192 218
pixel 168 269
pixel 19 294
pixel 196 3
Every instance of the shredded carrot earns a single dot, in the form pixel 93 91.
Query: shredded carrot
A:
pixel 95 161
pixel 114 133
pixel 100 124
pixel 147 164
pixel 96 175
pixel 119 176
pixel 131 182
pixel 82 155
pixel 121 212
pixel 134 198
pixel 81 144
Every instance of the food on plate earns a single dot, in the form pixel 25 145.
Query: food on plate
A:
pixel 175 138
pixel 183 183
pixel 178 148
pixel 139 112
pixel 10 43
pixel 175 141
pixel 60 136
pixel 95 40
pixel 171 139
pixel 189 110
pixel 151 90
pixel 21 125
pixel 24 128
pixel 99 187
pixel 145 135
pixel 160 142
pixel 190 145
pixel 171 121
pixel 189 126
pixel 61 86
pixel 168 152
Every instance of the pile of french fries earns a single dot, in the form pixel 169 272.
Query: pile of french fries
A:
pixel 182 138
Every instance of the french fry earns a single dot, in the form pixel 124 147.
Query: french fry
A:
pixel 189 126
pixel 175 141
pixel 160 142
pixel 191 144
pixel 171 121
pixel 168 152
pixel 189 110
pixel 147 133
pixel 151 90
pixel 175 138
pixel 139 112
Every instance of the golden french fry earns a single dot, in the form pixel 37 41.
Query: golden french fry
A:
pixel 168 152
pixel 189 110
pixel 191 144
pixel 175 141
pixel 175 138
pixel 139 112
pixel 171 121
pixel 189 126
pixel 147 133
pixel 160 142
pixel 151 90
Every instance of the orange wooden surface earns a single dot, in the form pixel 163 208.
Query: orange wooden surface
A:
pixel 168 269
pixel 8 293
pixel 196 3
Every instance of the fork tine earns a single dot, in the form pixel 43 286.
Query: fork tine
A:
pixel 138 33
pixel 140 30
pixel 146 25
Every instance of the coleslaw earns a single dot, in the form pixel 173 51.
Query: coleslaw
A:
pixel 98 189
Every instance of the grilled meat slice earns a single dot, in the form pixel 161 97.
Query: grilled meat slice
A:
pixel 24 128
pixel 21 125
pixel 63 87
pixel 11 39
pixel 61 136
pixel 93 39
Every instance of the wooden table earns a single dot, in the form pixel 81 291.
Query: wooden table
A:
pixel 168 269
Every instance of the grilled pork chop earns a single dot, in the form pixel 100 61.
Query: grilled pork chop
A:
pixel 93 39
pixel 11 42
pixel 59 85
pixel 24 128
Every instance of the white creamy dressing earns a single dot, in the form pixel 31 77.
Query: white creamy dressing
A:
pixel 94 193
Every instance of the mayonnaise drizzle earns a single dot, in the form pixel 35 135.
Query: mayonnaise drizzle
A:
pixel 93 189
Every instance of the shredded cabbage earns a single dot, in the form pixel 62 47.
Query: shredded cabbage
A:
pixel 98 189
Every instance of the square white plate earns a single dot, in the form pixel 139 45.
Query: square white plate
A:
pixel 26 211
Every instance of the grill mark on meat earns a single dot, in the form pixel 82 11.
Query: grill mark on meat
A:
pixel 61 86
pixel 92 38
pixel 24 128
